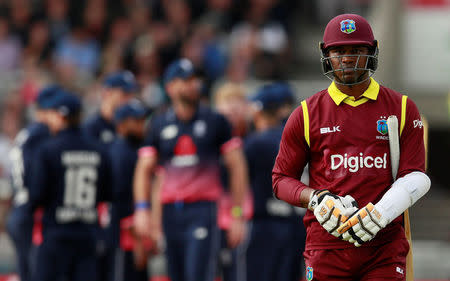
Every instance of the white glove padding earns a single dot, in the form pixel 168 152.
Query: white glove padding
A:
pixel 331 210
pixel 363 226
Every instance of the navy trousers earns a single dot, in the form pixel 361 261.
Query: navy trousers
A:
pixel 19 226
pixel 275 250
pixel 192 240
pixel 65 259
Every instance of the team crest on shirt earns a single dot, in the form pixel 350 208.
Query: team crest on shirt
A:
pixel 382 126
pixel 169 132
pixel 309 273
pixel 348 26
pixel 107 136
pixel 199 128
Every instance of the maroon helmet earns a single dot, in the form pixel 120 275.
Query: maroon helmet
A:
pixel 349 29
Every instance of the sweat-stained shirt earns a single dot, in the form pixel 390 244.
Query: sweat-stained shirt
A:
pixel 346 144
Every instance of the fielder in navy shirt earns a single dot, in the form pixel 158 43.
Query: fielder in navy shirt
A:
pixel 71 175
pixel 187 142
pixel 20 219
pixel 131 253
pixel 118 89
pixel 277 234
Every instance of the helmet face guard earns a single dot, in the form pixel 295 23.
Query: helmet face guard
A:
pixel 369 68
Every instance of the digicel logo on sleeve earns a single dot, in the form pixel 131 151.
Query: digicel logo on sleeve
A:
pixel 354 163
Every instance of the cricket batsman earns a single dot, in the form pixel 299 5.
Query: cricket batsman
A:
pixel 354 220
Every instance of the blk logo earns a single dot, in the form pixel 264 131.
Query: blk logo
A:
pixel 326 130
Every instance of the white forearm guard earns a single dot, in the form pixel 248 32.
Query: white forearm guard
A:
pixel 403 193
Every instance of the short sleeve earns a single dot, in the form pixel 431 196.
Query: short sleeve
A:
pixel 150 145
pixel 151 137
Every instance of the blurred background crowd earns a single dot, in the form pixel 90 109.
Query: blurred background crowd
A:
pixel 76 43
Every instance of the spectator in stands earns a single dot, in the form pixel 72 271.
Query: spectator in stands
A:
pixel 10 47
pixel 118 45
pixel 20 15
pixel 77 55
pixel 230 100
pixel 94 18
pixel 57 13
pixel 36 61
pixel 264 47
pixel 219 14
pixel 204 49
pixel 178 16
pixel 166 42
pixel 242 49
pixel 11 116
pixel 146 63
pixel 140 16
pixel 38 47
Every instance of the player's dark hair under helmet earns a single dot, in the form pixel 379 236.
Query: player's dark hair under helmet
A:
pixel 349 29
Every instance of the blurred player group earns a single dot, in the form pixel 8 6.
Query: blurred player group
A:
pixel 95 199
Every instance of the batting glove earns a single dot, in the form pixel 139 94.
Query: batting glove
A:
pixel 331 210
pixel 363 226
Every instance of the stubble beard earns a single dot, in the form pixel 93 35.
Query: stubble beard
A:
pixel 189 102
pixel 352 79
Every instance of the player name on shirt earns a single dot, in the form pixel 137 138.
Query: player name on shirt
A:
pixel 80 158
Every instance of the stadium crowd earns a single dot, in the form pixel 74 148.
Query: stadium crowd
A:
pixel 77 43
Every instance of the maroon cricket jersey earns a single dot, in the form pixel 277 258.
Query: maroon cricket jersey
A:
pixel 346 144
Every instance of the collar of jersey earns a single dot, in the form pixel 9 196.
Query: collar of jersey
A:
pixel 370 94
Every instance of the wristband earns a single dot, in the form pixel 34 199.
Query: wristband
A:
pixel 237 212
pixel 141 205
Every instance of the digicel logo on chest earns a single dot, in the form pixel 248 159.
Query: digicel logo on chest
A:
pixel 354 163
